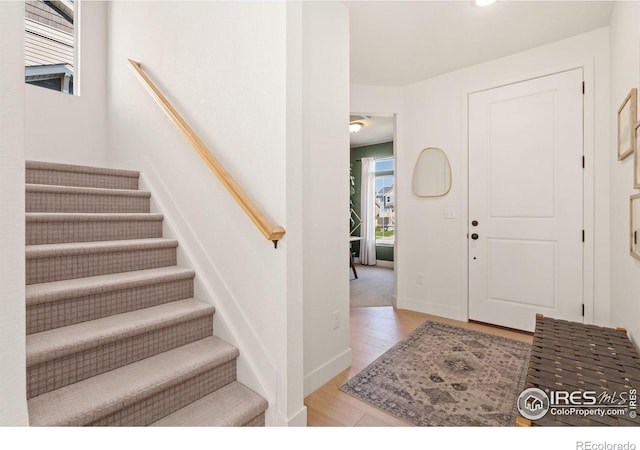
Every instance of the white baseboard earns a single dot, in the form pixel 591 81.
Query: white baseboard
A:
pixel 255 368
pixel 326 372
pixel 434 309
pixel 299 419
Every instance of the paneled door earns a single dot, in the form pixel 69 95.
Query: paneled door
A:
pixel 526 201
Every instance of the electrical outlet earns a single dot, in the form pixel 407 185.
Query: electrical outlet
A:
pixel 336 320
pixel 419 279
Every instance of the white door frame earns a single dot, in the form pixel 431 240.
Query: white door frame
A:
pixel 393 264
pixel 588 209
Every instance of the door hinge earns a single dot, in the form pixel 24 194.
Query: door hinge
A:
pixel 583 88
pixel 583 162
pixel 582 235
pixel 583 310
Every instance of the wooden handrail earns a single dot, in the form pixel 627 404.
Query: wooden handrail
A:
pixel 272 232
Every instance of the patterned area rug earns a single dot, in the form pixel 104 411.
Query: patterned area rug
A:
pixel 443 375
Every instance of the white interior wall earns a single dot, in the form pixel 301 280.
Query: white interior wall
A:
pixel 12 276
pixel 325 147
pixel 72 128
pixel 226 72
pixel 434 114
pixel 625 74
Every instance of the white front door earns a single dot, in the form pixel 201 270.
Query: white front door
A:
pixel 526 201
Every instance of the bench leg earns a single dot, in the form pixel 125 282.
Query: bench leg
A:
pixel 522 422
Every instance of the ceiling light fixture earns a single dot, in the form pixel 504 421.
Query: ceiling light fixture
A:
pixel 354 127
pixel 484 2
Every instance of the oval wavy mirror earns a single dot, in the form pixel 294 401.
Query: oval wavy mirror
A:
pixel 432 173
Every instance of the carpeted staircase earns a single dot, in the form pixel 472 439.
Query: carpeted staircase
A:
pixel 114 335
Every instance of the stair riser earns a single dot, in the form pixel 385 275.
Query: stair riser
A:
pixel 65 267
pixel 59 178
pixel 50 315
pixel 128 369
pixel 59 232
pixel 85 203
pixel 155 407
pixel 60 372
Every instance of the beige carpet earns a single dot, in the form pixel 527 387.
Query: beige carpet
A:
pixel 374 286
pixel 115 336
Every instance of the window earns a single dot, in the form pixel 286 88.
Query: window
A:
pixel 385 202
pixel 50 32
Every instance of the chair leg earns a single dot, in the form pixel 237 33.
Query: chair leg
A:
pixel 353 267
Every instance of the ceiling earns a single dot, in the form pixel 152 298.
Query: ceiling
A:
pixel 376 129
pixel 395 43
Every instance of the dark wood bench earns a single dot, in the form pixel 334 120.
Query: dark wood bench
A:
pixel 570 356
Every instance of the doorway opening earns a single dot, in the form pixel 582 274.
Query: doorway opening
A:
pixel 373 227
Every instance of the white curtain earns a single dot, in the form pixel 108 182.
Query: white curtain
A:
pixel 368 210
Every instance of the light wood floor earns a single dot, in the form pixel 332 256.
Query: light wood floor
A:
pixel 374 331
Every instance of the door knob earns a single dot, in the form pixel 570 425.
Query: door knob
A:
pixel 474 223
pixel 474 236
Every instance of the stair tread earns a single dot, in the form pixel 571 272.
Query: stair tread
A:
pixel 93 398
pixel 43 165
pixel 117 395
pixel 65 289
pixel 60 342
pixel 78 190
pixel 90 217
pixel 74 248
pixel 231 405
